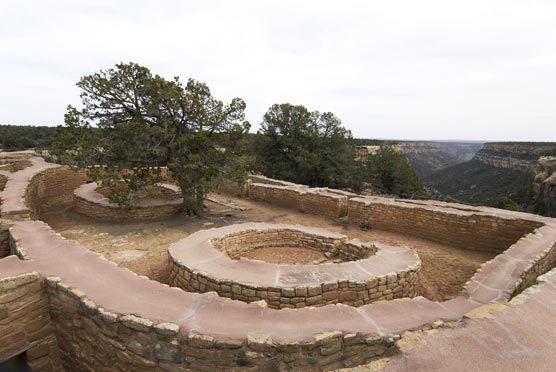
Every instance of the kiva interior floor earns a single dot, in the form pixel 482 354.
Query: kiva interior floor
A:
pixel 142 246
pixel 287 255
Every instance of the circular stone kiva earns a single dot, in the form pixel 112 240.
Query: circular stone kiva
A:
pixel 368 272
pixel 89 202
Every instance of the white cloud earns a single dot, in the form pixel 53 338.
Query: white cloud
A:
pixel 396 69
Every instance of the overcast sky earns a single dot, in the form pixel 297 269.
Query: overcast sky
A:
pixel 479 70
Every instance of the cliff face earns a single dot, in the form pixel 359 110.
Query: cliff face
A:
pixel 518 156
pixel 478 183
pixel 429 157
pixel 462 151
pixel 503 169
pixel 543 189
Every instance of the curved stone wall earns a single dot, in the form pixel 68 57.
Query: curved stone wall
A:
pixel 89 202
pixel 373 272
pixel 100 317
pixel 51 187
pixel 15 200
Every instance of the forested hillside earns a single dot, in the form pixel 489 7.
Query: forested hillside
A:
pixel 502 175
pixel 21 137
pixel 475 182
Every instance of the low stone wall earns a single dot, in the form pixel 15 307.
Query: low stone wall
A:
pixel 172 330
pixel 258 178
pixel 324 203
pixel 277 195
pixel 175 330
pixel 93 339
pixel 372 272
pixel 475 228
pixel 15 204
pixel 25 323
pixel 469 230
pixel 4 240
pixel 234 188
pixel 541 265
pixel 237 244
pixel 51 187
pixel 91 203
pixel 303 199
pixel 517 268
pixel 15 166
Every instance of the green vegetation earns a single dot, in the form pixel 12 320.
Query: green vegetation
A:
pixel 133 123
pixel 508 204
pixel 372 142
pixel 475 182
pixel 541 207
pixel 450 199
pixel 23 137
pixel 311 148
pixel 387 171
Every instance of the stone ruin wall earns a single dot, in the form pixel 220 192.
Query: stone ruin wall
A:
pixel 304 199
pixel 113 213
pixel 387 287
pixel 51 187
pixel 57 186
pixel 474 228
pixel 466 230
pixel 58 324
pixel 93 339
pixel 26 323
pixel 544 263
pixel 4 241
pixel 104 210
pixel 90 338
pixel 239 243
pixel 399 284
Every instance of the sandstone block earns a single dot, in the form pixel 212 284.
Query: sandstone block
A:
pixel 170 352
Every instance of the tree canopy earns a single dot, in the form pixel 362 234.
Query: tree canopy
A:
pixel 387 171
pixel 306 147
pixel 22 137
pixel 133 122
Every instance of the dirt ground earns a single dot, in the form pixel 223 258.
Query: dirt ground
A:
pixel 287 255
pixel 142 246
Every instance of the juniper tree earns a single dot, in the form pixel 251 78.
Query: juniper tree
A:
pixel 306 147
pixel 132 123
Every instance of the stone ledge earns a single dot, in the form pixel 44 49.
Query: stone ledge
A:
pixel 13 204
pixel 372 273
pixel 89 202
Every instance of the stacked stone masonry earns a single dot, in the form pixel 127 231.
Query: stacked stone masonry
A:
pixel 25 323
pixel 369 273
pixel 475 228
pixel 4 240
pixel 463 229
pixel 89 202
pixel 300 198
pixel 51 187
pixel 90 315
